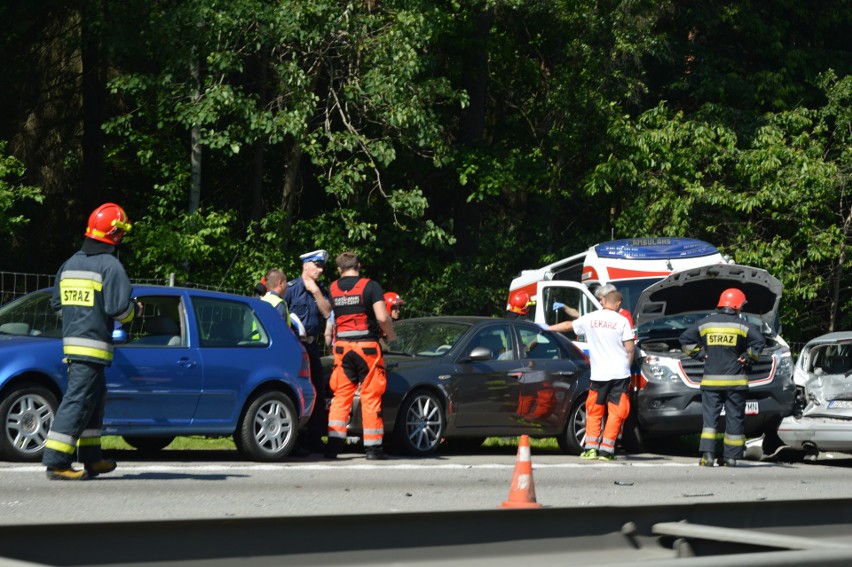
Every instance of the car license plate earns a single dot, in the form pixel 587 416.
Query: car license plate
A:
pixel 750 409
pixel 840 404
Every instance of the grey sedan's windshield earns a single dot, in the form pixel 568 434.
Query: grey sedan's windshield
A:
pixel 426 338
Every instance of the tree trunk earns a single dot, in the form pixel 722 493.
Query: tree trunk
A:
pixel 467 216
pixel 94 97
pixel 291 180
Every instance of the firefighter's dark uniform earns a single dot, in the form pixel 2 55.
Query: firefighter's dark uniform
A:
pixel 721 339
pixel 92 290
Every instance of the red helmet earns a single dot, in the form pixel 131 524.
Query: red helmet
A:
pixel 733 298
pixel 519 302
pixel 392 298
pixel 108 223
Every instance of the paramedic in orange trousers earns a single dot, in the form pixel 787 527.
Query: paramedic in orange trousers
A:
pixel 611 352
pixel 361 318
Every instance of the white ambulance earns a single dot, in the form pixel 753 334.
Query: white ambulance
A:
pixel 631 265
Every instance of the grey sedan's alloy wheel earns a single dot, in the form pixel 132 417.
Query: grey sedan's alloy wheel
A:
pixel 268 429
pixel 420 424
pixel 27 412
pixel 572 439
pixel 148 444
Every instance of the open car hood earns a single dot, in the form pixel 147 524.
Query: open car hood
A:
pixel 698 289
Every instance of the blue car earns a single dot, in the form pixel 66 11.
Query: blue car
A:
pixel 194 363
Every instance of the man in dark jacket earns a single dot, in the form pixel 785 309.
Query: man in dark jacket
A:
pixel 725 342
pixel 91 292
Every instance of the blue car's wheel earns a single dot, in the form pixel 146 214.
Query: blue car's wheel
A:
pixel 27 412
pixel 268 429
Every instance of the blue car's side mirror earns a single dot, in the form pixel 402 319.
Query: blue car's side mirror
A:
pixel 119 335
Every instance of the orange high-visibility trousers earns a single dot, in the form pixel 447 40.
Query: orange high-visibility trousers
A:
pixel 357 362
pixel 608 398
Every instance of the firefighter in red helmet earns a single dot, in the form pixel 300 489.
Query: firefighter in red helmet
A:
pixel 393 303
pixel 91 292
pixel 726 342
pixel 519 305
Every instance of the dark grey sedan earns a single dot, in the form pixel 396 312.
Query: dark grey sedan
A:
pixel 462 379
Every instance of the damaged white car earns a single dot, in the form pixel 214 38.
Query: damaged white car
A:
pixel 822 420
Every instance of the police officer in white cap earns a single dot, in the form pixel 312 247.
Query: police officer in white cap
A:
pixel 309 301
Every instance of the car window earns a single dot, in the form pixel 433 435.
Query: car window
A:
pixel 426 338
pixel 831 359
pixel 161 323
pixel 497 339
pixel 228 324
pixel 565 304
pixel 538 345
pixel 30 315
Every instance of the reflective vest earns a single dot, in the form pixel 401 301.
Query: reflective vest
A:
pixel 275 300
pixel 350 312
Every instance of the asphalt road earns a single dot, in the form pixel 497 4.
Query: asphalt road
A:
pixel 213 485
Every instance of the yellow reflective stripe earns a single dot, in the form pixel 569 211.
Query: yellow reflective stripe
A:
pixel 71 350
pixel 722 383
pixel 88 441
pixel 60 446
pixel 705 435
pixel 726 329
pixel 81 283
pixel 84 342
pixel 81 275
pixel 734 442
pixel 128 315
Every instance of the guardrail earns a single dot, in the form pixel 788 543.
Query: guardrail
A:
pixel 744 533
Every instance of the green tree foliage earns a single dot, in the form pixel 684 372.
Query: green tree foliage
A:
pixel 774 197
pixel 12 193
pixel 451 144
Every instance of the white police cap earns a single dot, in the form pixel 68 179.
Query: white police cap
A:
pixel 315 256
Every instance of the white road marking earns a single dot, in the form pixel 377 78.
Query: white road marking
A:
pixel 248 467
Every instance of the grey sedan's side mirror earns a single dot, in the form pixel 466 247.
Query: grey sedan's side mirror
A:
pixel 480 353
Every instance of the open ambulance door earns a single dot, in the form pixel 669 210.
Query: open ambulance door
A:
pixel 558 301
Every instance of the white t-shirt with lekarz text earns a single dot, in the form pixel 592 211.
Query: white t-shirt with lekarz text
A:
pixel 606 331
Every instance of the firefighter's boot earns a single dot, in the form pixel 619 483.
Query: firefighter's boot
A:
pixel 67 474
pixel 707 460
pixel 100 467
pixel 333 447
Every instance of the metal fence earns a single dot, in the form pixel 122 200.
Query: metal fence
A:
pixel 16 284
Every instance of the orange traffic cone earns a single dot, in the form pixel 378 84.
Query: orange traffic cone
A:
pixel 522 492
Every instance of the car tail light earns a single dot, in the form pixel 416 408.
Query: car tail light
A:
pixel 305 371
